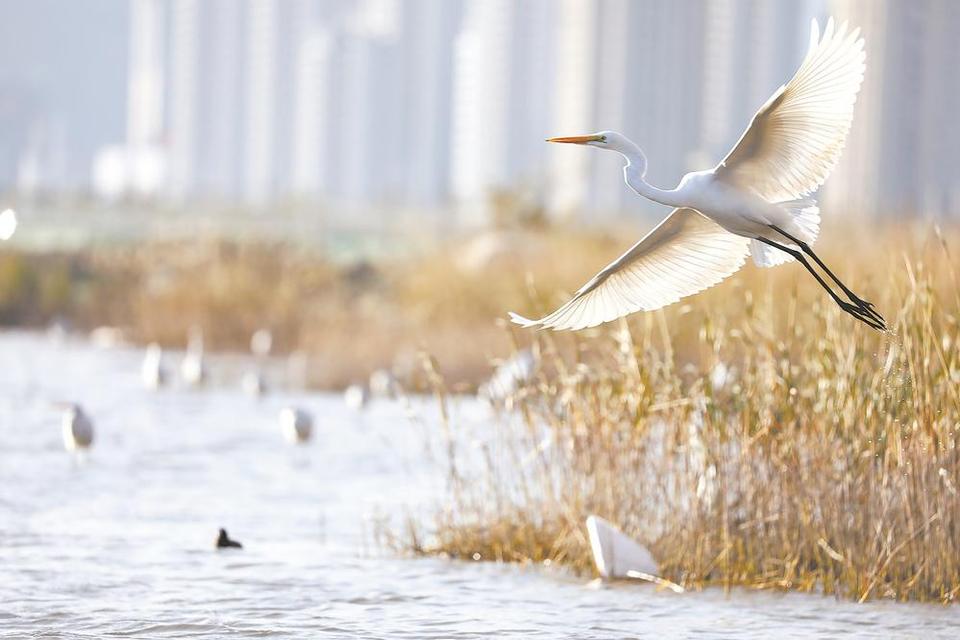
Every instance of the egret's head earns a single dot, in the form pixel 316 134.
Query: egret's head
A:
pixel 602 140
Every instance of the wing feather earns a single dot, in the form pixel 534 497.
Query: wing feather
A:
pixel 795 139
pixel 683 255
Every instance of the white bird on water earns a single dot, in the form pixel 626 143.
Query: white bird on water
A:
pixel 253 383
pixel 77 428
pixel 193 370
pixel 8 224
pixel 755 202
pixel 153 371
pixel 296 424
pixel 356 396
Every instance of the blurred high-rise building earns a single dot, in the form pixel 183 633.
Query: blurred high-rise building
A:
pixel 901 158
pixel 372 104
pixel 631 66
pixel 430 30
pixel 137 165
pixel 183 96
pixel 262 33
pixel 429 104
pixel 311 164
pixel 502 100
pixel 751 47
pixel 144 155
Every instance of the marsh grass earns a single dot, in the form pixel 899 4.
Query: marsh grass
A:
pixel 350 318
pixel 755 437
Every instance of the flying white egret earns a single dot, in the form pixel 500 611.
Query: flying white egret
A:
pixel 755 202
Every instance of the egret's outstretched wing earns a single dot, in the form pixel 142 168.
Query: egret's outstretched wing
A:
pixel 684 254
pixel 795 139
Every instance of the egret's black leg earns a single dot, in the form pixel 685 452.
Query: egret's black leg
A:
pixel 856 311
pixel 863 304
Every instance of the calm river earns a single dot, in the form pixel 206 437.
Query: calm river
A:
pixel 118 542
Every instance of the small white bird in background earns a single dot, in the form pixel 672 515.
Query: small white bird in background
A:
pixel 384 384
pixel 755 202
pixel 77 428
pixel 253 384
pixel 296 369
pixel 296 424
pixel 261 342
pixel 356 396
pixel 8 224
pixel 193 371
pixel 153 371
pixel 510 376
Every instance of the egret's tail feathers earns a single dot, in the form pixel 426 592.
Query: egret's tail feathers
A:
pixel 805 225
pixel 766 256
pixel 516 318
pixel 806 216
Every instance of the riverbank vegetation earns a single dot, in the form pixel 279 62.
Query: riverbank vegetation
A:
pixel 350 318
pixel 754 436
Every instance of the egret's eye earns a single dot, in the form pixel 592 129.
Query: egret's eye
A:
pixel 603 138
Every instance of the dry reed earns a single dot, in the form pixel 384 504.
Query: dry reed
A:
pixel 757 436
pixel 350 318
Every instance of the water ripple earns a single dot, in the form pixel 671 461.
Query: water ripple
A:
pixel 118 544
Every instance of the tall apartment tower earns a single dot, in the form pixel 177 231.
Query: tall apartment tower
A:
pixel 145 152
pixel 262 33
pixel 205 98
pixel 502 100
pixel 631 66
pixel 901 156
pixel 145 75
pixel 751 48
pixel 311 164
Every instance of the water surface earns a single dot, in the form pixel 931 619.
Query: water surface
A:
pixel 117 543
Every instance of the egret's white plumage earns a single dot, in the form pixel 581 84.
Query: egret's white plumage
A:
pixel 755 202
pixel 795 139
pixel 684 254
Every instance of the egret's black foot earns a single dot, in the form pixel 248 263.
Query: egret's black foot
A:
pixel 860 314
pixel 869 309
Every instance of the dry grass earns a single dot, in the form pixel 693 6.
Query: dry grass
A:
pixel 752 436
pixel 350 318
pixel 757 436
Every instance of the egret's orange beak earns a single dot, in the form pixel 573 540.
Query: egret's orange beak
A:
pixel 575 139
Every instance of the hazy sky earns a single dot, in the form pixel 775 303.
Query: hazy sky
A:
pixel 65 59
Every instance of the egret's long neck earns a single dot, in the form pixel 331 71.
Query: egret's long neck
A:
pixel 636 169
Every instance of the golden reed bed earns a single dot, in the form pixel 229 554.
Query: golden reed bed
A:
pixel 756 436
pixel 753 435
